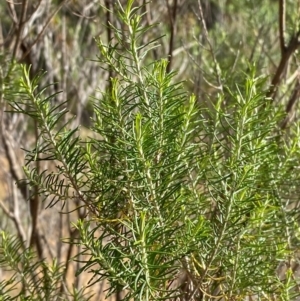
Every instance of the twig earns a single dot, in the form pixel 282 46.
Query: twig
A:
pixel 20 28
pixel 149 22
pixel 256 43
pixel 286 51
pixel 44 28
pixel 34 208
pixel 291 103
pixel 13 14
pixel 211 50
pixel 172 17
pixel 14 216
pixel 13 165
pixel 109 38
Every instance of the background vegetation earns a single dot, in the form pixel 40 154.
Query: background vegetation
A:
pixel 149 150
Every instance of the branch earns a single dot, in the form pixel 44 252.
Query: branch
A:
pixel 289 51
pixel 282 14
pixel 286 51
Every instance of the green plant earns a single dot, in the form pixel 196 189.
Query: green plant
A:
pixel 179 202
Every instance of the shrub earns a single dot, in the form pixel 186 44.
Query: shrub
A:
pixel 179 201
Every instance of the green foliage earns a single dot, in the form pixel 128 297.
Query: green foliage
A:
pixel 181 202
pixel 37 280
